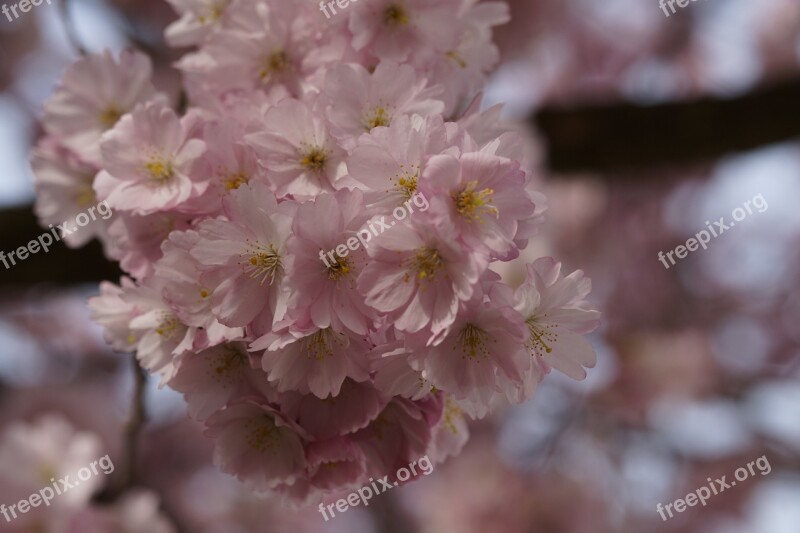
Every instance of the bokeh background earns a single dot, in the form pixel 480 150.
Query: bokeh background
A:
pixel 649 126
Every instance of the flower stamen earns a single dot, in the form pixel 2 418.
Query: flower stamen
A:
pixel 273 64
pixel 264 263
pixel 541 335
pixel 380 116
pixel 395 15
pixel 339 269
pixel 472 204
pixel 424 265
pixel 160 170
pixel 472 341
pixel 319 345
pixel 314 159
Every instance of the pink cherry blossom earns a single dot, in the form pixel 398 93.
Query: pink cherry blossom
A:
pixel 136 241
pixel 112 311
pixel 323 283
pixel 355 406
pixel 557 317
pixel 401 434
pixel 358 101
pixel 198 20
pixel 242 257
pixel 185 292
pixel 162 337
pixel 229 162
pixel 95 92
pixel 418 278
pixel 256 444
pixel 312 360
pixel 149 162
pixel 477 197
pixel 262 46
pixel 388 161
pixel 294 146
pixel 335 464
pixel 393 30
pixel 462 68
pixel 485 343
pixel 64 190
pixel 49 447
pixel 213 377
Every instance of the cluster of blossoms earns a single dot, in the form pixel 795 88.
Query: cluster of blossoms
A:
pixel 41 463
pixel 313 375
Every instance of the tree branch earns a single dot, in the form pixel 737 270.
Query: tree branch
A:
pixel 133 428
pixel 61 265
pixel 624 137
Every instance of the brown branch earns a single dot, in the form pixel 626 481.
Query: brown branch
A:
pixel 128 477
pixel 61 265
pixel 133 428
pixel 625 137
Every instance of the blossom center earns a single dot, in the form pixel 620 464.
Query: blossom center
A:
pixel 395 15
pixel 472 341
pixel 86 196
pixel 339 269
pixel 234 181
pixel 262 435
pixel 159 170
pixel 320 345
pixel 406 182
pixel 264 263
pixel 314 159
pixel 110 116
pixel 541 335
pixel 472 203
pixel 168 326
pixel 379 116
pixel 47 472
pixel 227 363
pixel 275 63
pixel 425 263
pixel 214 12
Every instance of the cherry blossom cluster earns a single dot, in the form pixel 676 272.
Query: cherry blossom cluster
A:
pixel 312 377
pixel 42 487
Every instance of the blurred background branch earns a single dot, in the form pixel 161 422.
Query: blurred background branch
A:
pixel 626 137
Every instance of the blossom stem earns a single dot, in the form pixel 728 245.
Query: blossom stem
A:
pixel 133 428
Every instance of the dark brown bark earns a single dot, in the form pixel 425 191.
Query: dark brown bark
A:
pixel 60 266
pixel 625 137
